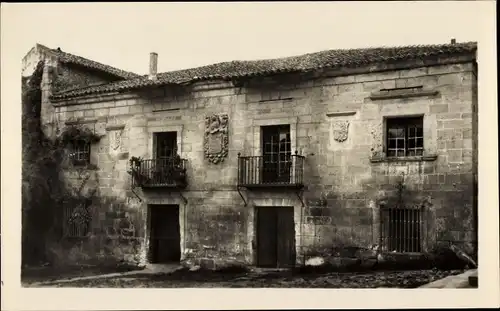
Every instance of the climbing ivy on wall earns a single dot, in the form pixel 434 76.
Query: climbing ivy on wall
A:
pixel 76 133
pixel 44 192
pixel 58 196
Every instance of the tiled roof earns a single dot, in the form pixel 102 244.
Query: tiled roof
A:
pixel 302 63
pixel 68 58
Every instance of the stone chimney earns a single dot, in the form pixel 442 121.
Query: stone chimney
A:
pixel 153 65
pixel 453 41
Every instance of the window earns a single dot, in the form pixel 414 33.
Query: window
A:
pixel 80 152
pixel 77 221
pixel 401 229
pixel 405 137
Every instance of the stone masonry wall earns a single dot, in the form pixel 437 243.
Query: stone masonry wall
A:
pixel 345 181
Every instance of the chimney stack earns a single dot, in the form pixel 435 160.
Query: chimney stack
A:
pixel 153 65
pixel 453 41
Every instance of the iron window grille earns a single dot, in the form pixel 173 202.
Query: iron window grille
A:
pixel 401 229
pixel 77 221
pixel 80 152
pixel 405 137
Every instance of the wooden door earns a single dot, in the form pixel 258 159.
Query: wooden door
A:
pixel 267 232
pixel 286 237
pixel 275 237
pixel 165 239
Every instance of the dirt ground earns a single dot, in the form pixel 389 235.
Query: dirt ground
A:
pixel 281 279
pixel 48 273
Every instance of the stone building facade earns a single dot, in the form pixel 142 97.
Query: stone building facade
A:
pixel 279 160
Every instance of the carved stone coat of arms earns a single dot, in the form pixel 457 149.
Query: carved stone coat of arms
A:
pixel 216 138
pixel 115 141
pixel 340 130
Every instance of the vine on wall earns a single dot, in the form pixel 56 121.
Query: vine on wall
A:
pixel 77 133
pixel 45 195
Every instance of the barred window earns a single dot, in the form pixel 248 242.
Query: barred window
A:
pixel 77 221
pixel 405 137
pixel 401 229
pixel 80 152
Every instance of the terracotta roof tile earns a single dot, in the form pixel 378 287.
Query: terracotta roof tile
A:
pixel 69 58
pixel 302 63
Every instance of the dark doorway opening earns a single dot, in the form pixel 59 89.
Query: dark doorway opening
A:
pixel 165 238
pixel 275 237
pixel 277 154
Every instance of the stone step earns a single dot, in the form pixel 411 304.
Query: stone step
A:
pixel 473 279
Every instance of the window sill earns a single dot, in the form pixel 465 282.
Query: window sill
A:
pixel 426 158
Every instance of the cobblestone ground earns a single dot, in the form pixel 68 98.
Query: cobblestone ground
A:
pixel 394 279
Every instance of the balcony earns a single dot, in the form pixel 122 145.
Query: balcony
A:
pixel 262 172
pixel 158 173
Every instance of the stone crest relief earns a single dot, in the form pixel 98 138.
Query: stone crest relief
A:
pixel 216 138
pixel 115 141
pixel 340 130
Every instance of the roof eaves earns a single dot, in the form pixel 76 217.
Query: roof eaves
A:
pixel 248 69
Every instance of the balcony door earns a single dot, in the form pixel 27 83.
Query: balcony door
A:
pixel 166 145
pixel 165 148
pixel 277 154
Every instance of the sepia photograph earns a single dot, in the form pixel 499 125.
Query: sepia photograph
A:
pixel 181 145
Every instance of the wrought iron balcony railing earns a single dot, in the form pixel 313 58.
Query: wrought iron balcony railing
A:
pixel 263 171
pixel 165 172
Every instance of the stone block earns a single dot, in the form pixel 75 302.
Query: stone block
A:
pixel 407 82
pixel 453 178
pixel 89 113
pixel 350 88
pixel 449 116
pixel 454 144
pixel 455 156
pixel 115 111
pixel 460 107
pixel 467 116
pixel 413 72
pixel 453 124
pixel 450 79
pixel 438 108
pixel 374 86
pixel 448 134
pixel 467 143
pixel 136 109
pixel 345 79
